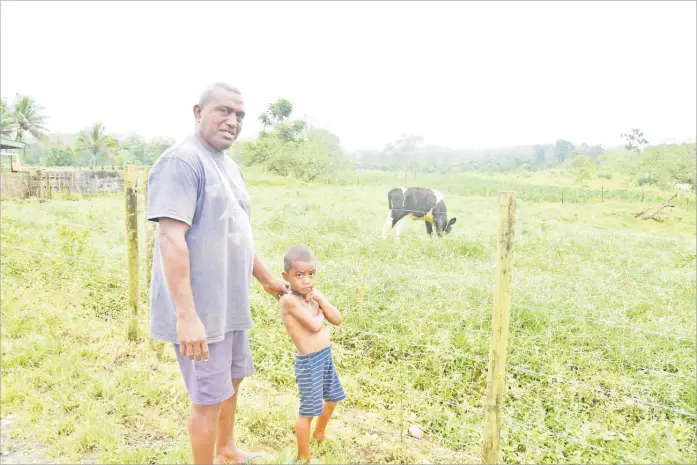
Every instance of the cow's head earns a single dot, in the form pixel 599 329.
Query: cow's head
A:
pixel 443 224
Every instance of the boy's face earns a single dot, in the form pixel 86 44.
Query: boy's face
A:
pixel 301 277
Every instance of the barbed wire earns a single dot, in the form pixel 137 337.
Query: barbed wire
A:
pixel 586 319
pixel 607 323
pixel 561 379
pixel 430 434
pixel 86 226
pixel 522 221
pixel 518 368
pixel 381 336
pixel 350 373
pixel 526 370
pixel 108 266
pixel 522 369
pixel 531 427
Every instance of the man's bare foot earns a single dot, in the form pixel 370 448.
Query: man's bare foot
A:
pixel 236 456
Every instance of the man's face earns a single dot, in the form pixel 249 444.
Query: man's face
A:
pixel 219 122
pixel 301 277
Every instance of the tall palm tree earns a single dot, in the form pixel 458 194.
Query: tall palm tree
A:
pixel 27 118
pixel 265 120
pixel 280 110
pixel 95 141
pixel 7 122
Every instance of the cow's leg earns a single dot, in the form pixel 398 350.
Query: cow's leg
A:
pixel 388 225
pixel 398 227
pixel 429 228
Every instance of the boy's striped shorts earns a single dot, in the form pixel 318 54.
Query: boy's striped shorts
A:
pixel 317 380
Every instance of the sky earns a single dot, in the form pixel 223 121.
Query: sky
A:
pixel 460 74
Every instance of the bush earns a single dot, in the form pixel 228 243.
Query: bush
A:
pixel 647 178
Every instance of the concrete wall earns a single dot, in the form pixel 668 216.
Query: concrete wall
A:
pixel 35 183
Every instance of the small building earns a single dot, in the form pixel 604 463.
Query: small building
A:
pixel 5 147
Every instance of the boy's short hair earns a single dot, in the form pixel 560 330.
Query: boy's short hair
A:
pixel 297 253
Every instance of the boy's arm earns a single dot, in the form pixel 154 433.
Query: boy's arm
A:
pixel 292 307
pixel 330 312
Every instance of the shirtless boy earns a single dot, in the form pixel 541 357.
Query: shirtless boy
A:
pixel 304 311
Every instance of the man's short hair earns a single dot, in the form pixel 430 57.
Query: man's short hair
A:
pixel 207 94
pixel 297 253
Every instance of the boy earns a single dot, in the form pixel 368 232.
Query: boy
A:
pixel 304 311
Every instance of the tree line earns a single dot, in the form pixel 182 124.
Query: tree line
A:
pixel 23 121
pixel 661 165
pixel 287 146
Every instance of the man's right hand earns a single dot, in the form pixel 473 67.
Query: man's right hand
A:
pixel 192 338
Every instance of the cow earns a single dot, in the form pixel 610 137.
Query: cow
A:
pixel 417 203
pixel 685 187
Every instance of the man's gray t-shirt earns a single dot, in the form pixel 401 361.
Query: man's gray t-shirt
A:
pixel 205 189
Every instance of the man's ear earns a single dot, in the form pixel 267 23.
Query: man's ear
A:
pixel 197 111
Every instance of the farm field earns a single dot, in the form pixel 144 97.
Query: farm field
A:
pixel 601 353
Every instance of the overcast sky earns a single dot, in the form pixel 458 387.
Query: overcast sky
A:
pixel 463 74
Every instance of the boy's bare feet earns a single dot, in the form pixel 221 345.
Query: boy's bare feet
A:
pixel 318 437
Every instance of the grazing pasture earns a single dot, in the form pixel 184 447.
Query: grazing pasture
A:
pixel 601 353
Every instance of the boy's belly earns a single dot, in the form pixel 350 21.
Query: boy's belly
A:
pixel 312 342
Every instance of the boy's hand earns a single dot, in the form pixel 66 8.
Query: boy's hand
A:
pixel 317 295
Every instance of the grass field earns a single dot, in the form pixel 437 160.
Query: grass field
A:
pixel 601 365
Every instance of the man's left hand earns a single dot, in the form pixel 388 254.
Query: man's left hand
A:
pixel 276 288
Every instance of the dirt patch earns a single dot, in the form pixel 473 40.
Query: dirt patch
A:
pixel 18 451
pixel 370 436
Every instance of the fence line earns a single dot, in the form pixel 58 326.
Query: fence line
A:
pixel 561 379
pixel 52 255
pixel 562 315
pixel 451 352
pixel 457 407
pixel 425 396
pixel 522 220
pixel 587 319
pixel 430 434
pixel 614 325
pixel 530 426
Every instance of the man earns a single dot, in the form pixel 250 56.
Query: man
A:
pixel 202 267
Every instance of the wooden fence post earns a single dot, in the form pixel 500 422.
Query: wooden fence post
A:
pixel 149 233
pixel 40 176
pixel 602 194
pixel 562 196
pixel 157 346
pixel 500 321
pixel 130 179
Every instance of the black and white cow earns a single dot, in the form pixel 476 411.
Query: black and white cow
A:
pixel 417 203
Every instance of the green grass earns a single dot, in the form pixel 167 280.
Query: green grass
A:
pixel 601 363
pixel 545 186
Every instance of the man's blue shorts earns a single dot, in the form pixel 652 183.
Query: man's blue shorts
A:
pixel 317 380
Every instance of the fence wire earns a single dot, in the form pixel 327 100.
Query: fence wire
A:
pixel 403 390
